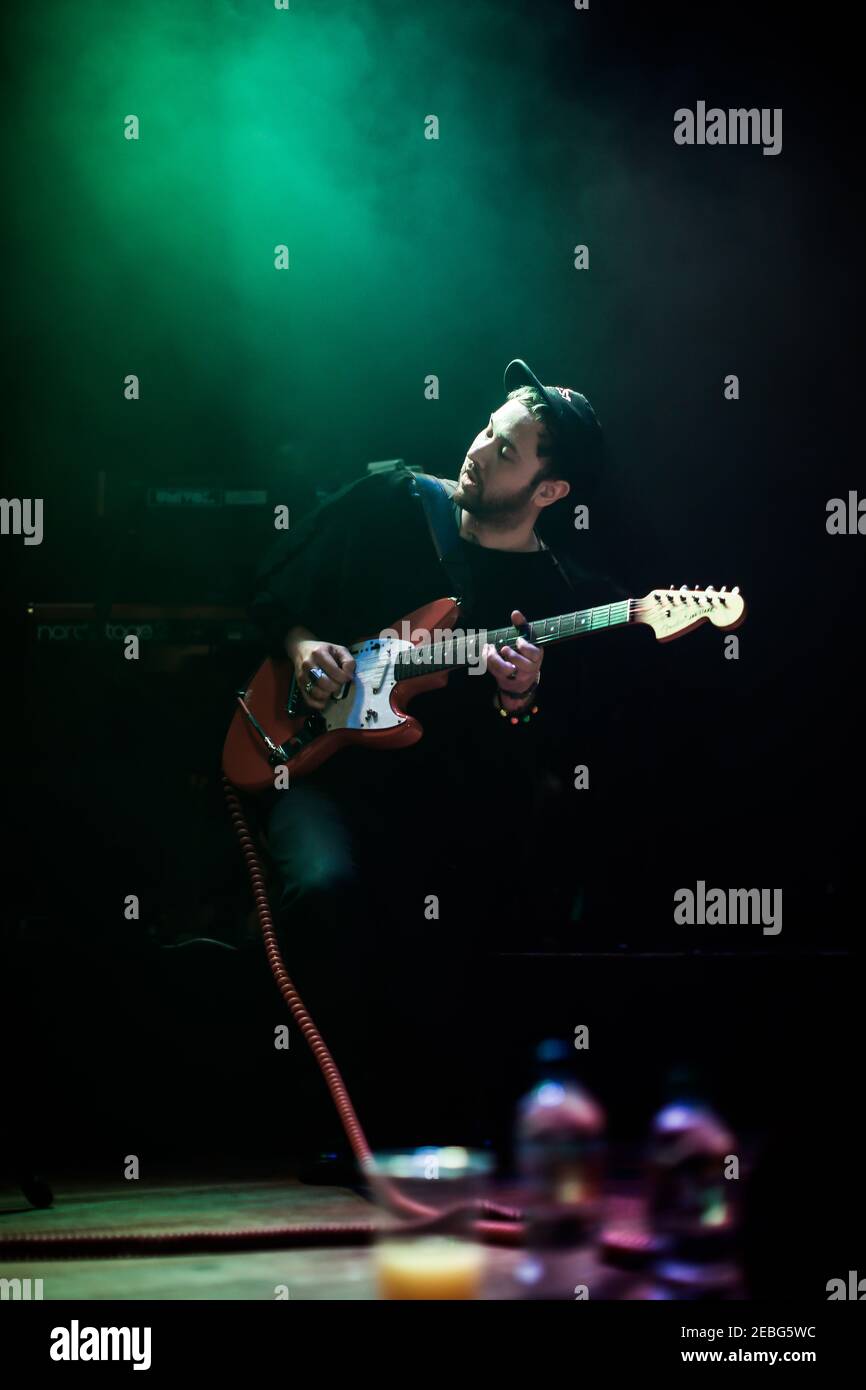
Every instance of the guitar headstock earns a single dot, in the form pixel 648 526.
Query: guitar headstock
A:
pixel 671 612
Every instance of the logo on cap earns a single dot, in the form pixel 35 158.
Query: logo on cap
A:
pixel 564 392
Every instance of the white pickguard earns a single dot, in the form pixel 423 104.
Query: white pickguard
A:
pixel 365 702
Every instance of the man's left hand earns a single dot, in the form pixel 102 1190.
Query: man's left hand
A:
pixel 515 669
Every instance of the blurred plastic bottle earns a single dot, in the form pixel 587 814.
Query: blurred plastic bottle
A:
pixel 559 1157
pixel 692 1204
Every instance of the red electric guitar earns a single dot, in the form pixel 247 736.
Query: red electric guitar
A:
pixel 266 732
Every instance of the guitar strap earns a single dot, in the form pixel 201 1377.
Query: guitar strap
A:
pixel 443 519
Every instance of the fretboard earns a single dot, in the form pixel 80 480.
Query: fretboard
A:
pixel 466 649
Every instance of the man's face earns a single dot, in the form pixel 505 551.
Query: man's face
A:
pixel 499 476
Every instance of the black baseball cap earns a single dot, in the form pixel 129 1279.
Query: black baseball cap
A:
pixel 576 423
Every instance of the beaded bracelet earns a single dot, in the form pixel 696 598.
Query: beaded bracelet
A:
pixel 521 717
pixel 518 718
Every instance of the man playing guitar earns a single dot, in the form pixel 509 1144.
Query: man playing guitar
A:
pixel 397 865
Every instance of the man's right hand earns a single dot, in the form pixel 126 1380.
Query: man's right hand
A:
pixel 337 664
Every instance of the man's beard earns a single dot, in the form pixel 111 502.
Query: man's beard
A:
pixel 500 512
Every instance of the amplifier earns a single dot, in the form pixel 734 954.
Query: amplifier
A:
pixel 184 625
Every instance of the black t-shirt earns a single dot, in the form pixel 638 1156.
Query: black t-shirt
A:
pixel 365 559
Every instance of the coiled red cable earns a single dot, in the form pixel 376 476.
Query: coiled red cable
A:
pixel 495 1224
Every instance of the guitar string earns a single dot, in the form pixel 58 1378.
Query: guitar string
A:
pixel 502 634
pixel 439 663
pixel 634 607
pixel 437 650
pixel 614 619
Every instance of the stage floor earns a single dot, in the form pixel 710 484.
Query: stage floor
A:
pixel 166 1205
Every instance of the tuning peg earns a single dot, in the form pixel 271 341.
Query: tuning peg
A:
pixel 710 588
pixel 723 588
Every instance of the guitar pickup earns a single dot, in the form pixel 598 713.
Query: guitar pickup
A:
pixel 293 704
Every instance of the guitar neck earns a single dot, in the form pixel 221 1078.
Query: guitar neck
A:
pixel 447 654
pixel 567 625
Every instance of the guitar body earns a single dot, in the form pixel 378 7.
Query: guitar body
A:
pixel 369 710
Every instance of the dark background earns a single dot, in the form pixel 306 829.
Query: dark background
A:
pixel 749 773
